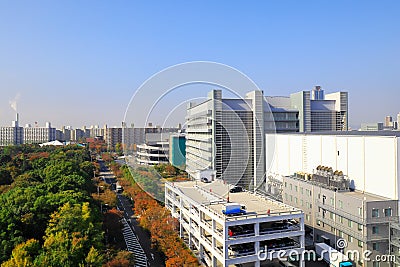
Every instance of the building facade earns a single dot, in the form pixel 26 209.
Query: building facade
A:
pixel 38 135
pixel 177 150
pixel 252 239
pixel 334 211
pixel 226 135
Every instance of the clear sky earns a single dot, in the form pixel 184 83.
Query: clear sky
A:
pixel 79 62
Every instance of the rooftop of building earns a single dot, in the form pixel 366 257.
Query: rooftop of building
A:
pixel 365 196
pixel 215 195
pixel 359 195
pixel 349 133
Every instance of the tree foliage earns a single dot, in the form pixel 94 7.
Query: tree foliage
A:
pixel 47 215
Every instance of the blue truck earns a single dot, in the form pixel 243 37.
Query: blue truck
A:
pixel 233 209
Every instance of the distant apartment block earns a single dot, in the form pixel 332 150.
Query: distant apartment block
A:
pixel 37 135
pixel 378 126
pixel 11 135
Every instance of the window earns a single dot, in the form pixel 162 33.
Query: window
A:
pixel 295 188
pixel 302 202
pixel 388 212
pixel 331 215
pixel 290 186
pixel 375 264
pixel 307 217
pixel 350 223
pixel 332 202
pixel 360 227
pixel 375 213
pixel 375 230
pixel 285 184
pixel 360 243
pixel 340 204
pixel 318 222
pixel 341 234
pixel 286 198
pixel 350 238
pixel 291 198
pixel 295 200
pixel 340 219
pixel 360 211
pixel 375 246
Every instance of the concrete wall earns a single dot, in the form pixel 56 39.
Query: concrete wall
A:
pixel 370 161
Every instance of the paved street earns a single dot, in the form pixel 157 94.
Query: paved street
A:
pixel 137 240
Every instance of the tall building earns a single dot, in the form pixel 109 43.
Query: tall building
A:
pixel 113 137
pixel 226 135
pixel 11 135
pixel 321 112
pixel 37 135
pixel 388 121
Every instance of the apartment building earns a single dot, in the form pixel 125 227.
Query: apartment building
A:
pixel 38 135
pixel 219 239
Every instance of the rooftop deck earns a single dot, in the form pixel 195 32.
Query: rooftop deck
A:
pixel 215 195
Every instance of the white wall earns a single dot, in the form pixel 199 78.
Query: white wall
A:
pixel 370 161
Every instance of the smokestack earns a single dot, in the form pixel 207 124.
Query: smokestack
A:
pixel 17 117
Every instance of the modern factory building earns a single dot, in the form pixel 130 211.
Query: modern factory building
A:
pixel 227 134
pixel 219 239
pixel 347 184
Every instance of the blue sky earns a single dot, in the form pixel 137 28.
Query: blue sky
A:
pixel 79 62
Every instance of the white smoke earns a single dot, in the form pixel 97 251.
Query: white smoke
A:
pixel 13 103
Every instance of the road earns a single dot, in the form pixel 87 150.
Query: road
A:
pixel 154 258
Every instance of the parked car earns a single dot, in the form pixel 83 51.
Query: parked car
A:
pixel 236 189
pixel 205 180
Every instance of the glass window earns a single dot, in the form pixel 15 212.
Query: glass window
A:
pixel 360 243
pixel 375 213
pixel 295 188
pixel 375 230
pixel 340 204
pixel 359 227
pixel 350 223
pixel 295 200
pixel 360 211
pixel 388 212
pixel 375 246
pixel 350 238
pixel 332 202
pixel 285 184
